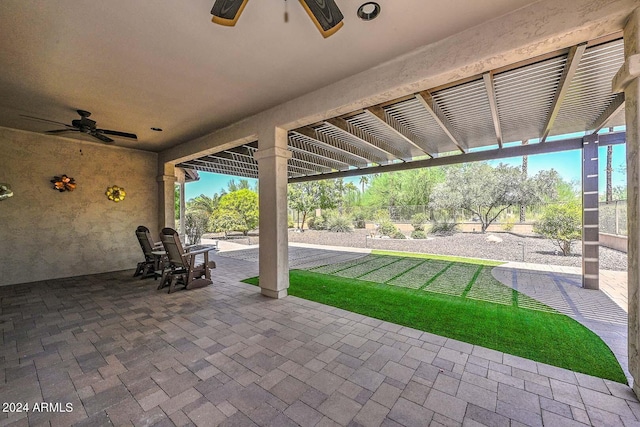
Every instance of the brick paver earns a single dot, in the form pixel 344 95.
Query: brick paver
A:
pixel 124 353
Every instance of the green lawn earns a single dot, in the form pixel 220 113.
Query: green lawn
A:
pixel 457 300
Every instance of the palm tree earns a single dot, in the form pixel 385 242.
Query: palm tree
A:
pixel 351 189
pixel 204 204
pixel 364 180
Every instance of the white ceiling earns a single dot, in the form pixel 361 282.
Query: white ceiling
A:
pixel 139 64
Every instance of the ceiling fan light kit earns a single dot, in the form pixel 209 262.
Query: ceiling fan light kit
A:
pixel 325 14
pixel 369 11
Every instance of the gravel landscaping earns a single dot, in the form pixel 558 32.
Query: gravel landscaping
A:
pixel 475 245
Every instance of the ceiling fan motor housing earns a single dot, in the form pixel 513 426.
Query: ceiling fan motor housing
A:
pixel 84 124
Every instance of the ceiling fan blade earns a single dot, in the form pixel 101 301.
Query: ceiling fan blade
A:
pixel 45 120
pixel 61 130
pixel 227 12
pixel 101 137
pixel 117 133
pixel 325 14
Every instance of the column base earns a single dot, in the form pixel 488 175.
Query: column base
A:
pixel 273 294
pixel 591 282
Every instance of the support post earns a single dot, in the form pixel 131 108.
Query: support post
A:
pixel 272 156
pixel 183 232
pixel 627 80
pixel 181 179
pixel 525 174
pixel 166 198
pixel 590 225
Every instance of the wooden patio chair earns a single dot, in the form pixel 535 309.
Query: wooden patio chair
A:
pixel 182 268
pixel 153 262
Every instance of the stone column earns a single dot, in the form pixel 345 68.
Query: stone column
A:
pixel 181 178
pixel 590 218
pixel 272 156
pixel 627 80
pixel 166 202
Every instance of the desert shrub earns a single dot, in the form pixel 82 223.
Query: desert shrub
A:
pixel 418 234
pixel 339 224
pixel 359 219
pixel 317 223
pixel 444 228
pixel 195 225
pixel 381 215
pixel 562 223
pixel 508 224
pixel 387 228
pixel 290 223
pixel 418 221
pixel 398 235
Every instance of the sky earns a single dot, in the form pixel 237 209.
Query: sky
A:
pixel 567 163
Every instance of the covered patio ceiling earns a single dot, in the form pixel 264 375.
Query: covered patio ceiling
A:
pixel 560 93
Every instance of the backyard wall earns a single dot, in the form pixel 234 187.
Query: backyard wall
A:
pixel 614 241
pixel 46 234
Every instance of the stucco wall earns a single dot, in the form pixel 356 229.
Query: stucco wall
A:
pixel 614 241
pixel 45 234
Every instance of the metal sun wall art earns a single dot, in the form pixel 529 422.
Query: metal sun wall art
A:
pixel 115 193
pixel 5 191
pixel 63 183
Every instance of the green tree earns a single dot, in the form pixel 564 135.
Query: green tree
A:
pixel 236 211
pixel 176 201
pixel 364 180
pixel 562 223
pixel 242 184
pixel 405 188
pixel 305 197
pixel 351 195
pixel 485 192
pixel 195 225
pixel 204 204
pixel 383 191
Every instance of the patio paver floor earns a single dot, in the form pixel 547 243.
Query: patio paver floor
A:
pixel 121 352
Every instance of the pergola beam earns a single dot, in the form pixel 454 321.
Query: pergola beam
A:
pixel 366 139
pixel 301 147
pixel 493 104
pixel 500 153
pixel 430 105
pixel 612 109
pixel 309 157
pixel 378 114
pixel 345 149
pixel 573 60
pixel 293 162
pixel 228 167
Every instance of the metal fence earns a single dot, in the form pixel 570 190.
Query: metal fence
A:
pixel 403 214
pixel 613 217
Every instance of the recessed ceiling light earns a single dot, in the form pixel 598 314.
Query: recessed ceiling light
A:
pixel 156 129
pixel 369 11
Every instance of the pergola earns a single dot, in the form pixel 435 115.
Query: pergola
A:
pixel 513 110
pixel 558 93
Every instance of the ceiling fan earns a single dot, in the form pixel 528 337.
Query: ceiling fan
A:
pixel 85 125
pixel 324 13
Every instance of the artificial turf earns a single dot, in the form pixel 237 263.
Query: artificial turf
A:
pixel 543 336
pixel 449 258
